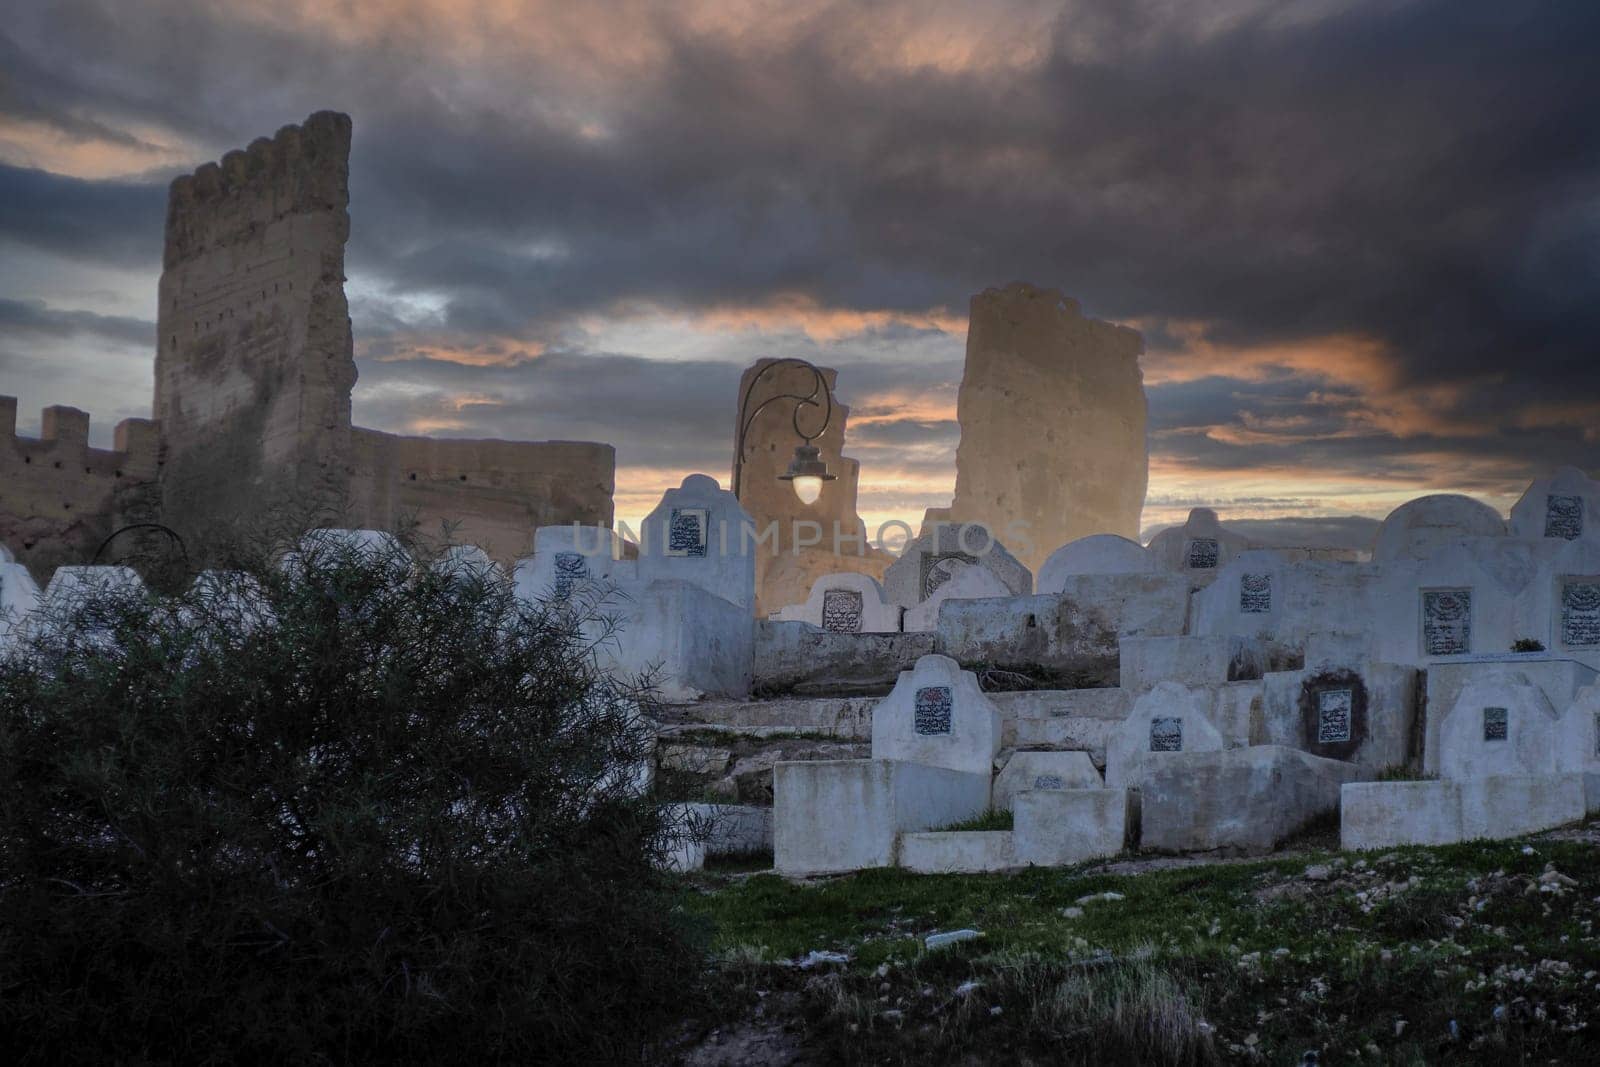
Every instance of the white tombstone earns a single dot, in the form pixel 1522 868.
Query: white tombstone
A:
pixel 1095 554
pixel 933 558
pixel 233 598
pixel 1169 719
pixel 463 561
pixel 687 641
pixel 1249 596
pixel 1563 507
pixel 567 559
pixel 74 587
pixel 1570 600
pixel 19 596
pixel 1498 726
pixel 1422 527
pixel 1286 602
pixel 845 603
pixel 938 717
pixel 966 582
pixel 1445 605
pixel 318 548
pixel 74 582
pixel 1029 771
pixel 1578 734
pixel 701 535
pixel 1198 548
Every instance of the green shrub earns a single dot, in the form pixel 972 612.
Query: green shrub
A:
pixel 339 808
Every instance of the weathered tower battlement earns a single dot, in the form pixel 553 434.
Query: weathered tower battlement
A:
pixel 255 360
pixel 59 498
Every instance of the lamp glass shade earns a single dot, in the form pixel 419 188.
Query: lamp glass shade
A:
pixel 807 487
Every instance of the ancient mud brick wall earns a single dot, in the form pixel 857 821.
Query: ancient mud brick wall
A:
pixel 59 498
pixel 495 493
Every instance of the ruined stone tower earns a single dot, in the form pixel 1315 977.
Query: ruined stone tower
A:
pixel 255 363
pixel 255 367
pixel 1052 412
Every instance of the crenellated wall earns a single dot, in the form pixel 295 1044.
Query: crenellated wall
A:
pixel 59 498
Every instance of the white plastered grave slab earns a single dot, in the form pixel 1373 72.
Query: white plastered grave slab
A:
pixel 1199 548
pixel 966 582
pixel 831 816
pixel 700 534
pixel 1095 554
pixel 937 716
pixel 1167 721
pixel 1498 726
pixel 845 603
pixel 567 560
pixel 1564 506
pixel 1056 771
pixel 928 561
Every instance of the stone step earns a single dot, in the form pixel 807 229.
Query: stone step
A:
pixel 846 718
pixel 718 733
pixel 1072 719
pixel 1109 704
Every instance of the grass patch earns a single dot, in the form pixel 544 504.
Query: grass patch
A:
pixel 1415 955
pixel 739 862
pixel 1402 773
pixel 990 820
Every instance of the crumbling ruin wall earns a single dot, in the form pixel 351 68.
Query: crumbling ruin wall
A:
pixel 1052 411
pixel 255 364
pixel 493 494
pixel 59 498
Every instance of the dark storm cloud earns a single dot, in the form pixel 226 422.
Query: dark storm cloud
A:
pixel 34 317
pixel 1420 172
pixel 670 415
pixel 115 222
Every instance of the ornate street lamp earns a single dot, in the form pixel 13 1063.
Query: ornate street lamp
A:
pixel 806 471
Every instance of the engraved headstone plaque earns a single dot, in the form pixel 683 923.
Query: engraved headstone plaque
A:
pixel 936 570
pixel 1580 614
pixel 1166 734
pixel 933 710
pixel 1563 516
pixel 1494 724
pixel 686 535
pixel 1049 781
pixel 1203 553
pixel 571 569
pixel 1597 734
pixel 1255 594
pixel 1333 716
pixel 841 611
pixel 1447 622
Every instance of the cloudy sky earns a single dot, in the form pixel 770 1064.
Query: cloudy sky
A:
pixel 1362 239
